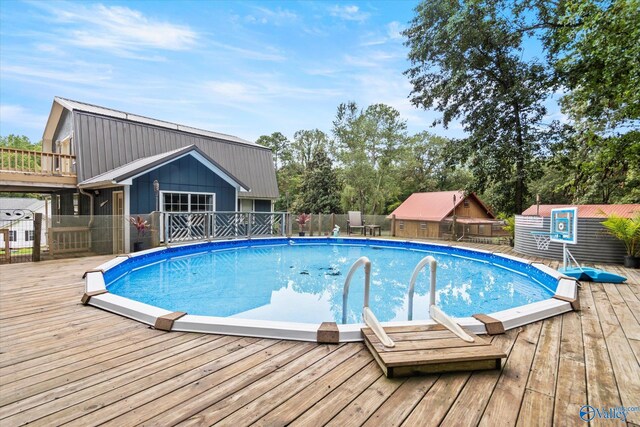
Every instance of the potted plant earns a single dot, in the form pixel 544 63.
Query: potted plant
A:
pixel 302 221
pixel 141 225
pixel 628 231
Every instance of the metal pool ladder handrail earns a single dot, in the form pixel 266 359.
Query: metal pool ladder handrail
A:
pixel 435 313
pixel 412 284
pixel 368 316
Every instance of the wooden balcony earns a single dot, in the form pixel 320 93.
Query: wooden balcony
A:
pixel 35 171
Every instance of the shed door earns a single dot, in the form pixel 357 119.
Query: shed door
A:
pixel 118 222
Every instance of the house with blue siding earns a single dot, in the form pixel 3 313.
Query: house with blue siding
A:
pixel 97 161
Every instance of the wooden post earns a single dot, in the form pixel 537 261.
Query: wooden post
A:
pixel 289 224
pixel 37 233
pixel 393 225
pixel 319 224
pixel 155 229
pixel 310 227
pixel 333 221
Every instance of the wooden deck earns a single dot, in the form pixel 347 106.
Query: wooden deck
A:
pixel 64 363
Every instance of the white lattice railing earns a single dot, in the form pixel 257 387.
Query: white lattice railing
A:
pixel 189 226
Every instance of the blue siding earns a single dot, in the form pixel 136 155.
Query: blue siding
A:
pixel 187 175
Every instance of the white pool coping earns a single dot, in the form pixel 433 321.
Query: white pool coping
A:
pixel 145 313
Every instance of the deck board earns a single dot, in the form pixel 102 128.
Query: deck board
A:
pixel 62 362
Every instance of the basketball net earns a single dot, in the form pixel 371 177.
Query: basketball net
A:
pixel 542 241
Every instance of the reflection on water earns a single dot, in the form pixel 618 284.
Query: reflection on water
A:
pixel 304 283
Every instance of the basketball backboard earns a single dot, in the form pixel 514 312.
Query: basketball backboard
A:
pixel 564 225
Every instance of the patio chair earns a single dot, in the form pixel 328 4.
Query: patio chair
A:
pixel 355 222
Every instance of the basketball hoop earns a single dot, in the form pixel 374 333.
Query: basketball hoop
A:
pixel 542 240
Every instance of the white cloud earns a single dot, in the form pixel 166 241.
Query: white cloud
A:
pixel 265 54
pixel 394 30
pixel 18 120
pixel 348 12
pixel 264 15
pixel 77 73
pixel 265 90
pixel 118 29
pixel 371 59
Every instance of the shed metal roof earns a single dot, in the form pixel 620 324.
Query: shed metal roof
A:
pixel 587 211
pixel 105 139
pixel 433 206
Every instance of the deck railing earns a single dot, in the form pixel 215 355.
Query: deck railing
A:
pixel 183 227
pixel 37 162
pixel 69 239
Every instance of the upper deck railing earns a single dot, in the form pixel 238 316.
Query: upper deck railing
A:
pixel 36 162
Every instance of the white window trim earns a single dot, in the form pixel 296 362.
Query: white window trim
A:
pixel 162 193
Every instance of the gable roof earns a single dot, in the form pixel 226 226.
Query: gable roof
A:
pixel 138 167
pixel 72 105
pixel 433 206
pixel 587 211
pixel 105 139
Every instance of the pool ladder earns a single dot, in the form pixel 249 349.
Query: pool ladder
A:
pixel 370 319
pixel 368 316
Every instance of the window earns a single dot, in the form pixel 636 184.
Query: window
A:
pixel 246 205
pixel 465 203
pixel 29 235
pixel 401 225
pixel 58 204
pixel 201 203
pixel 188 202
pixel 423 226
pixel 13 235
pixel 76 204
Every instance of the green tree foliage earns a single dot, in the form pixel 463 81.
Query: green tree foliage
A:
pixel 467 62
pixel 320 190
pixel 17 159
pixel 280 147
pixel 305 143
pixel 424 165
pixel 20 142
pixel 367 144
pixel 595 49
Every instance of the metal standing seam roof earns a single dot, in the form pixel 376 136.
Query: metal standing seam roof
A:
pixel 587 211
pixel 106 139
pixel 109 112
pixel 141 165
pixel 433 206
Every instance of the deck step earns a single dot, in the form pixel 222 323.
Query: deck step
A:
pixel 423 350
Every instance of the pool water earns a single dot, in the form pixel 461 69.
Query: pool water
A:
pixel 303 282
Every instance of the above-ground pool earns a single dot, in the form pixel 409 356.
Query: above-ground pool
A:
pixel 285 288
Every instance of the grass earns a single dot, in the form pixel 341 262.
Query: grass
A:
pixel 21 251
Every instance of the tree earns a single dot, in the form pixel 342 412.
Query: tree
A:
pixel 467 63
pixel 305 143
pixel 279 145
pixel 17 159
pixel 367 144
pixel 425 165
pixel 594 47
pixel 20 142
pixel 320 190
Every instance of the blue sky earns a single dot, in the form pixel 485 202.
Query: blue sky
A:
pixel 246 69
